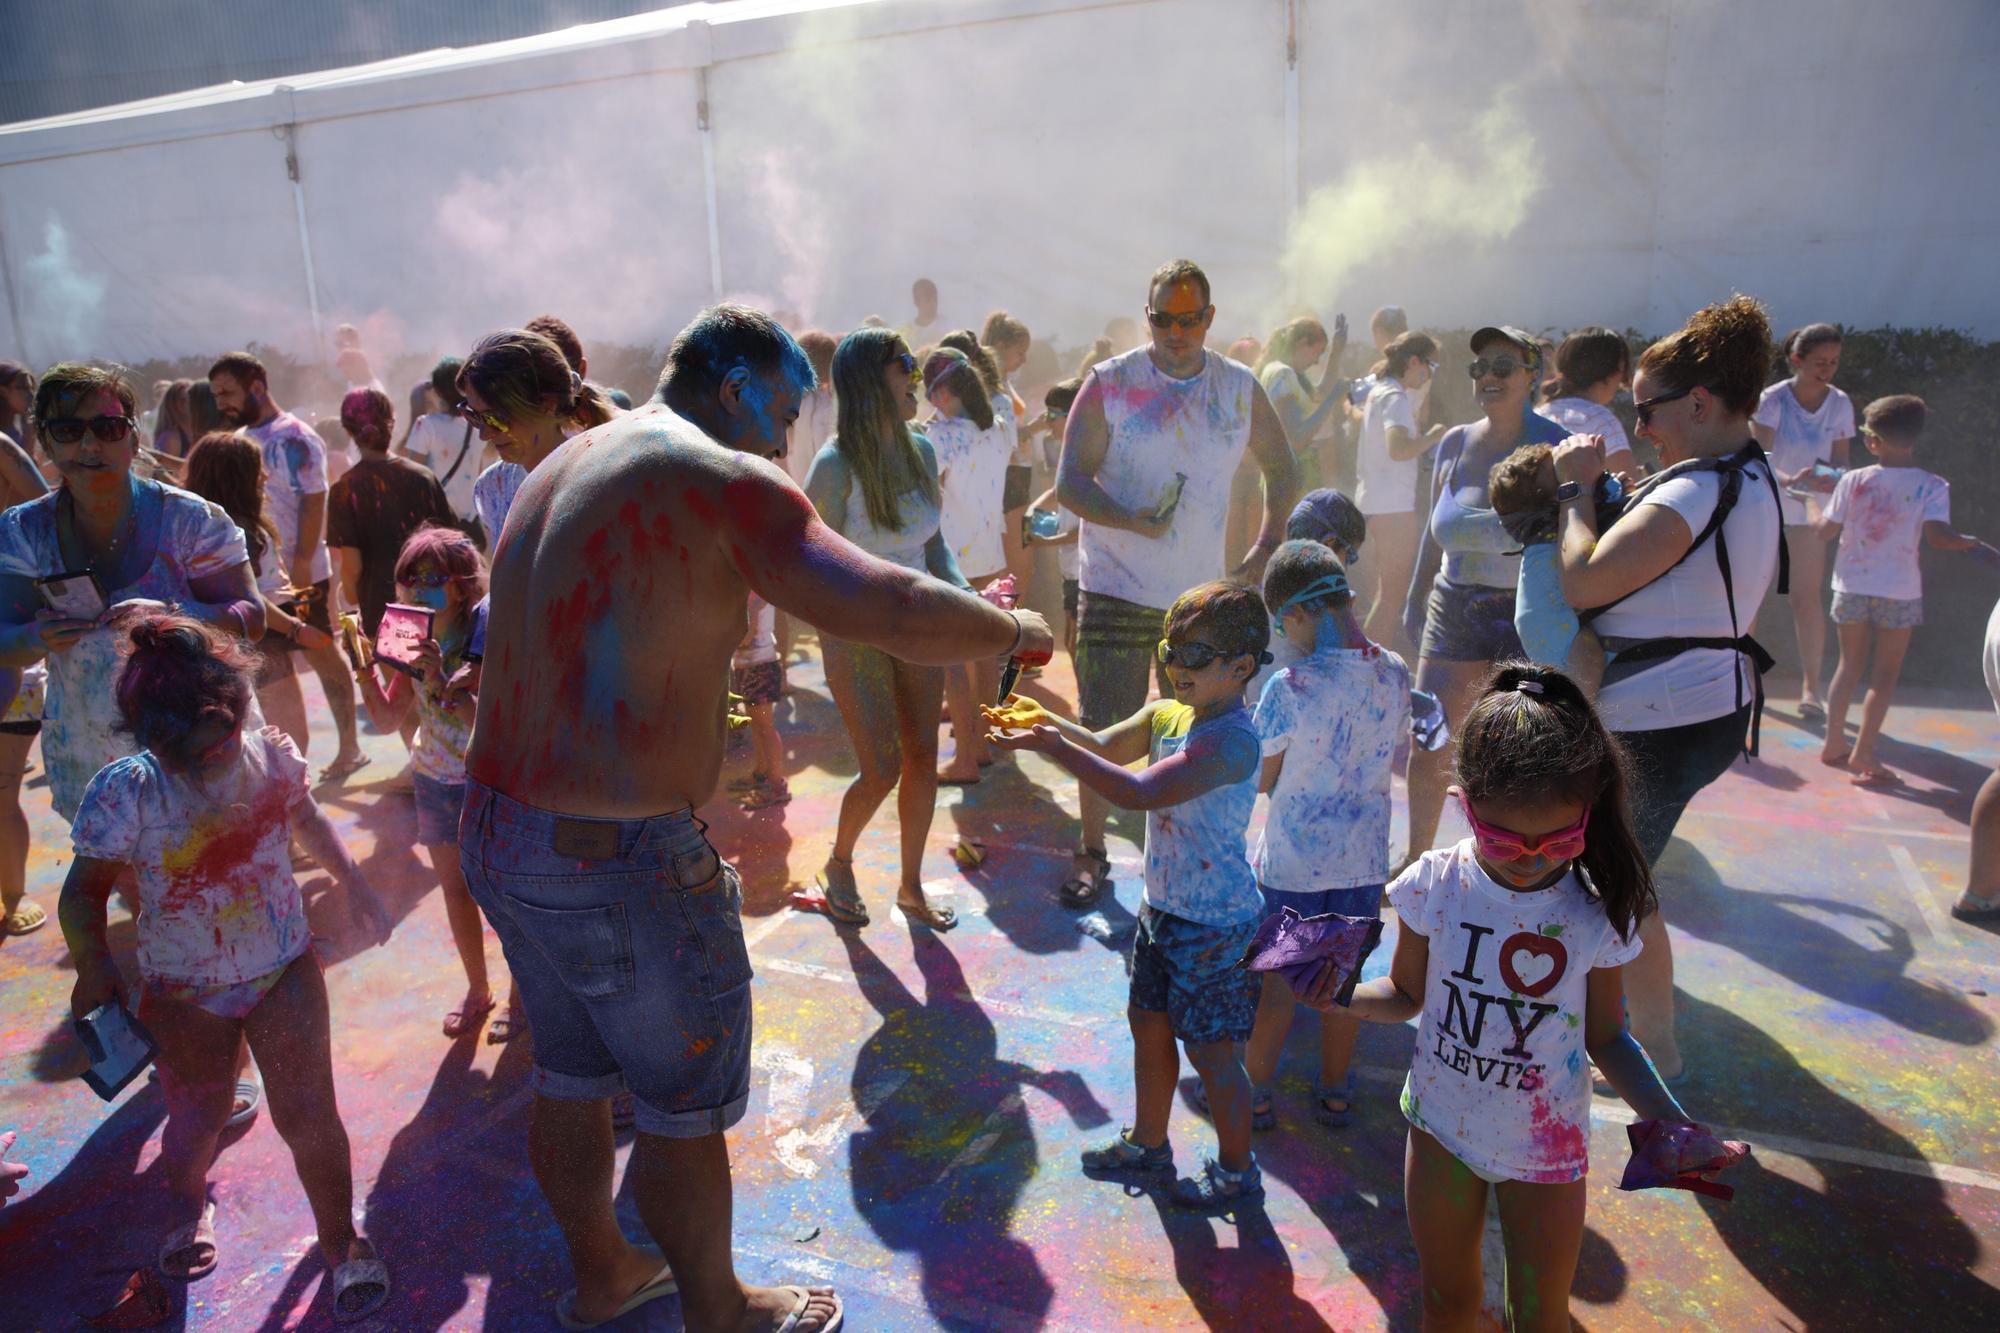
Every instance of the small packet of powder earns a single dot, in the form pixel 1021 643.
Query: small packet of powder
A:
pixel 1678 1155
pixel 1301 948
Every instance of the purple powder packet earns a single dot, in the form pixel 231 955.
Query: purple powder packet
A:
pixel 1300 948
pixel 1670 1155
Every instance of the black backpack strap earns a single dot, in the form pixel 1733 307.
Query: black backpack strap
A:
pixel 464 447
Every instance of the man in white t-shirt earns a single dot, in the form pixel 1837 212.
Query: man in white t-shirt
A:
pixel 1148 452
pixel 443 441
pixel 928 326
pixel 295 487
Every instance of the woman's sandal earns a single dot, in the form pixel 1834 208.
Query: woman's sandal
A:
pixel 24 920
pixel 937 918
pixel 1342 1092
pixel 340 770
pixel 467 1018
pixel 841 894
pixel 197 1236
pixel 511 1024
pixel 1970 907
pixel 243 1106
pixel 360 1287
pixel 1092 872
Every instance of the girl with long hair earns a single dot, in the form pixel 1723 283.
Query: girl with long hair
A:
pixel 876 483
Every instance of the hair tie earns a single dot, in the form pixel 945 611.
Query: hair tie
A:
pixel 1533 687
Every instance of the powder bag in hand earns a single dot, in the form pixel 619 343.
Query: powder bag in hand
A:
pixel 1677 1155
pixel 1302 947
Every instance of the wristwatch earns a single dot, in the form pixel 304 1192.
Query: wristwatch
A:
pixel 1568 491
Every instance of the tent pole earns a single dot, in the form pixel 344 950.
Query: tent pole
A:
pixel 1290 151
pixel 702 123
pixel 290 134
pixel 13 302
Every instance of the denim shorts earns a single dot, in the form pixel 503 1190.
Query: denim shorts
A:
pixel 625 937
pixel 1853 608
pixel 438 808
pixel 1188 972
pixel 1470 623
pixel 1671 766
pixel 1117 643
pixel 1364 902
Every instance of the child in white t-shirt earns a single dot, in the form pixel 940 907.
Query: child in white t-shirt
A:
pixel 973 448
pixel 1882 515
pixel 1509 945
pixel 1329 725
pixel 204 815
pixel 1063 532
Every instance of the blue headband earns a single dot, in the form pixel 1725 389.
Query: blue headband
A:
pixel 1330 585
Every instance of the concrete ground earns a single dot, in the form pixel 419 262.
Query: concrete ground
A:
pixel 919 1100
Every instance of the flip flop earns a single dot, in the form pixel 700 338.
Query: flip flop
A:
pixel 1981 909
pixel 835 894
pixel 662 1285
pixel 1877 778
pixel 937 918
pixel 198 1234
pixel 467 1018
pixel 1836 761
pixel 340 770
pixel 1812 710
pixel 360 1288
pixel 1084 888
pixel 792 1320
pixel 249 1091
pixel 950 780
pixel 511 1024
pixel 24 920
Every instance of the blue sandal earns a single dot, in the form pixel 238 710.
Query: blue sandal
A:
pixel 1342 1092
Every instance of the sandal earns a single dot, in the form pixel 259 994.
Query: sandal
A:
pixel 1812 710
pixel 927 913
pixel 467 1018
pixel 839 896
pixel 511 1024
pixel 766 795
pixel 250 1092
pixel 1263 1106
pixel 1972 908
pixel 1092 874
pixel 793 1321
pixel 360 1287
pixel 1342 1092
pixel 340 770
pixel 24 920
pixel 1877 778
pixel 198 1235
pixel 663 1284
pixel 1835 760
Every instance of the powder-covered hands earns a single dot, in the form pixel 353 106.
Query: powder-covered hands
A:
pixel 1017 714
pixel 1041 739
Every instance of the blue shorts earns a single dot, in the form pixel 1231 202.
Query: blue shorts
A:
pixel 1364 902
pixel 625 937
pixel 438 807
pixel 1188 972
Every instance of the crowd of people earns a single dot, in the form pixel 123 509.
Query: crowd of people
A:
pixel 601 593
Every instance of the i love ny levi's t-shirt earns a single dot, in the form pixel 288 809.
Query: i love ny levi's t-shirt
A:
pixel 1499 1076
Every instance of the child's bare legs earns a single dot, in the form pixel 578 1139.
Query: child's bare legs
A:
pixel 1276 1006
pixel 289 1031
pixel 1808 608
pixel 1447 1208
pixel 283 699
pixel 198 1062
pixel 1586 661
pixel 1156 1067
pixel 1890 647
pixel 1220 1064
pixel 968 729
pixel 1542 1228
pixel 468 928
pixel 1338 1032
pixel 768 757
pixel 1854 641
pixel 1982 872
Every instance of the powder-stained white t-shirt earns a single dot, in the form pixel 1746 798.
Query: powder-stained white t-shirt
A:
pixel 1385 485
pixel 294 468
pixel 218 902
pixel 1336 717
pixel 760 641
pixel 1882 512
pixel 493 495
pixel 1159 426
pixel 437 440
pixel 1801 438
pixel 1499 1076
pixel 1580 416
pixel 972 470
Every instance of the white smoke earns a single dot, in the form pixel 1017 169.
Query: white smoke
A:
pixel 60 302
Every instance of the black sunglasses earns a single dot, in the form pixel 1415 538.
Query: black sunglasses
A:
pixel 1161 319
pixel 1503 366
pixel 1643 409
pixel 907 360
pixel 69 430
pixel 479 416
pixel 1193 656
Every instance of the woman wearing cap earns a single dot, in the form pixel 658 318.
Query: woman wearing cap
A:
pixel 1460 611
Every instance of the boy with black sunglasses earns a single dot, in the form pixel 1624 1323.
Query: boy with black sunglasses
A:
pixel 1201 904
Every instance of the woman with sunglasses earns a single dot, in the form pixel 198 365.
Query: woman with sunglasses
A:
pixel 876 484
pixel 519 393
pixel 1682 687
pixel 1460 611
pixel 110 540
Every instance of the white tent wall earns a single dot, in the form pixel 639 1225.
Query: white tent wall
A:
pixel 1550 162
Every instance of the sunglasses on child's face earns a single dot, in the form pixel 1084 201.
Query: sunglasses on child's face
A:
pixel 69 430
pixel 479 416
pixel 1161 319
pixel 1501 845
pixel 1643 409
pixel 1193 656
pixel 1500 367
pixel 425 581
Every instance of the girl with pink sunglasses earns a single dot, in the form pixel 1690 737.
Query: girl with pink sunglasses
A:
pixel 1510 946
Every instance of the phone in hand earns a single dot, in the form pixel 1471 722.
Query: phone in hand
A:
pixel 75 595
pixel 119 1047
pixel 402 631
pixel 1172 499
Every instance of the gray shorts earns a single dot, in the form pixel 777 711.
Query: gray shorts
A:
pixel 1853 608
pixel 626 939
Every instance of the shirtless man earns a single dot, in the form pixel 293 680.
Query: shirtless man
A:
pixel 618 599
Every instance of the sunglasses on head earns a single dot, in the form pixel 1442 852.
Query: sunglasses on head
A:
pixel 1499 844
pixel 1643 409
pixel 479 416
pixel 1503 366
pixel 1161 319
pixel 69 430
pixel 907 360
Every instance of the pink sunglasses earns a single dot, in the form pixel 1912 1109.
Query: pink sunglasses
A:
pixel 1499 844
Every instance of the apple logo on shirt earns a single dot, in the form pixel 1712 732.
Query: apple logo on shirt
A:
pixel 1532 964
